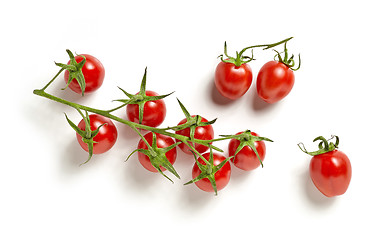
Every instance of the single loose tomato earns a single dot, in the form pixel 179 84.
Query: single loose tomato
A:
pixel 330 169
pixel 162 141
pixel 154 111
pixel 233 81
pixel 201 133
pixel 331 172
pixel 93 72
pixel 222 176
pixel 105 138
pixel 274 81
pixel 246 159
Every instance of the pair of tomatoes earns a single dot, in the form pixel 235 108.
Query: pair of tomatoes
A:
pixel 274 81
pixel 233 76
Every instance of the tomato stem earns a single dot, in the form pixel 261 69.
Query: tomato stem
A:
pixel 42 93
pixel 324 145
pixel 240 59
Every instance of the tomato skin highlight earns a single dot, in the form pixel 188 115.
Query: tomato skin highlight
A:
pixel 222 176
pixel 201 132
pixel 93 72
pixel 232 81
pixel 274 81
pixel 106 137
pixel 246 159
pixel 163 141
pixel 331 172
pixel 154 111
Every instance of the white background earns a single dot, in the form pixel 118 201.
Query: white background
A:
pixel 46 195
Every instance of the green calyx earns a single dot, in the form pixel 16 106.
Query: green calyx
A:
pixel 240 59
pixel 288 61
pixel 208 169
pixel 74 70
pixel 247 139
pixel 140 99
pixel 324 145
pixel 192 122
pixel 87 134
pixel 157 156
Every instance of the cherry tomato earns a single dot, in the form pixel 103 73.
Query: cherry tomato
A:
pixel 331 172
pixel 163 141
pixel 246 159
pixel 233 81
pixel 93 72
pixel 106 137
pixel 274 81
pixel 154 111
pixel 201 132
pixel 222 176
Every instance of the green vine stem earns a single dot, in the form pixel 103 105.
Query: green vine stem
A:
pixel 106 113
pixel 239 59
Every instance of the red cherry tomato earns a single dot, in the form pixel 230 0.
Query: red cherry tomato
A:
pixel 233 81
pixel 274 81
pixel 201 132
pixel 331 172
pixel 163 141
pixel 222 176
pixel 106 137
pixel 93 72
pixel 246 159
pixel 154 111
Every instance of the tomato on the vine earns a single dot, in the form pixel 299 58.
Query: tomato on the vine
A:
pixel 93 72
pixel 222 176
pixel 233 81
pixel 274 81
pixel 105 138
pixel 162 141
pixel 154 112
pixel 276 78
pixel 201 133
pixel 246 159
pixel 330 169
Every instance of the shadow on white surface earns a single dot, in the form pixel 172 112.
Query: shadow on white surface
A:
pixel 259 104
pixel 216 97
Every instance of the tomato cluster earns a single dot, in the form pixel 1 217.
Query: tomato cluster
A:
pixel 330 169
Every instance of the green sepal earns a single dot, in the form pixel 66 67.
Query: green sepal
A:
pixel 157 156
pixel 140 99
pixel 324 145
pixel 247 139
pixel 192 122
pixel 288 61
pixel 74 70
pixel 208 169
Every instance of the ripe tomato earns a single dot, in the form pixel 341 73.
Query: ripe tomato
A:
pixel 93 72
pixel 154 111
pixel 163 141
pixel 331 172
pixel 233 81
pixel 246 159
pixel 274 81
pixel 201 132
pixel 106 137
pixel 222 176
